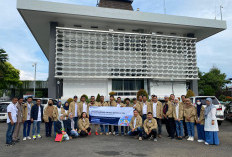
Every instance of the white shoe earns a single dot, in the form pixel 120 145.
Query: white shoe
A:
pixel 155 139
pixel 192 139
pixel 189 138
pixel 114 133
pixel 28 137
pixel 39 136
pixel 140 138
pixel 206 143
pixel 200 141
pixel 24 139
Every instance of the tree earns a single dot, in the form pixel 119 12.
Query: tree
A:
pixel 190 93
pixel 212 82
pixel 10 78
pixel 142 92
pixel 98 97
pixel 3 60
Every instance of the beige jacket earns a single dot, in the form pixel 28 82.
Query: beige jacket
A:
pixel 24 109
pixel 83 124
pixel 149 124
pixel 103 104
pixel 159 109
pixel 169 113
pixel 80 108
pixel 20 113
pixel 54 114
pixel 180 113
pixel 148 107
pixel 190 112
pixel 112 103
pixel 63 112
pixel 139 122
pixel 72 107
pixel 202 116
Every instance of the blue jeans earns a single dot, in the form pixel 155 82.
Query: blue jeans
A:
pixel 74 133
pixel 75 119
pixel 138 131
pixel 26 128
pixel 179 128
pixel 54 126
pixel 9 133
pixel 106 128
pixel 144 117
pixel 36 127
pixel 190 128
pixel 200 132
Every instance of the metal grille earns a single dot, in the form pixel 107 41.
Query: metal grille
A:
pixel 107 54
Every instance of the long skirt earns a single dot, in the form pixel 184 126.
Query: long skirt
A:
pixel 211 137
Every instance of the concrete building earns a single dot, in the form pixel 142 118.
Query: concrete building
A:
pixel 108 48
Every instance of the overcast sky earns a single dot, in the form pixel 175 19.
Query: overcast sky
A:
pixel 23 50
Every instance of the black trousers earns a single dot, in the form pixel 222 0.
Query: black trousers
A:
pixel 185 128
pixel 83 133
pixel 48 128
pixel 171 126
pixel 159 122
pixel 152 133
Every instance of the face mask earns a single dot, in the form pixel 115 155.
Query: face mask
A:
pixel 50 104
pixel 198 103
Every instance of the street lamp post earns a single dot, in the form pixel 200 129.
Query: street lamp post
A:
pixel 34 65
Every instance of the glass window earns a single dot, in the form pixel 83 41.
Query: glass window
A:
pixel 117 84
pixel 129 84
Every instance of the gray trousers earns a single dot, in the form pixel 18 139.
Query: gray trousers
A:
pixel 16 131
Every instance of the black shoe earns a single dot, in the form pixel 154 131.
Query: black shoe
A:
pixel 8 145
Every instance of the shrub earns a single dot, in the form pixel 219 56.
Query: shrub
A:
pixel 98 97
pixel 142 92
pixel 112 93
pixel 70 100
pixel 190 93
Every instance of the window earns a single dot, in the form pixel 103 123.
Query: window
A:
pixel 127 84
pixel 117 84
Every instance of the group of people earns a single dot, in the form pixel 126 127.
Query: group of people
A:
pixel 72 120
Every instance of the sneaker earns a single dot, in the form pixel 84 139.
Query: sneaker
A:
pixel 200 141
pixel 34 137
pixel 110 133
pixel 89 133
pixel 155 139
pixel 101 133
pixel 28 137
pixel 9 145
pixel 159 136
pixel 206 143
pixel 151 138
pixel 24 139
pixel 107 134
pixel 114 133
pixel 140 138
pixel 192 139
pixel 96 133
pixel 189 138
pixel 39 136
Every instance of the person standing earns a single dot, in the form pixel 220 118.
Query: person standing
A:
pixel 93 102
pixel 145 108
pixel 168 116
pixel 11 120
pixel 83 124
pixel 157 111
pixel 65 112
pixel 150 127
pixel 178 113
pixel 136 125
pixel 136 105
pixel 50 116
pixel 104 128
pixel 113 104
pixel 189 114
pixel 140 100
pixel 118 104
pixel 83 106
pixel 19 106
pixel 184 124
pixel 27 119
pixel 59 107
pixel 73 108
pixel 211 124
pixel 36 118
pixel 200 120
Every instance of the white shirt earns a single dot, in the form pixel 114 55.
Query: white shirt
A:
pixel 154 109
pixel 144 108
pixel 135 122
pixel 13 110
pixel 39 114
pixel 28 111
pixel 59 110
pixel 177 111
pixel 84 108
pixel 76 107
pixel 118 105
pixel 66 111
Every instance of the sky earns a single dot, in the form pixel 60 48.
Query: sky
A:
pixel 17 40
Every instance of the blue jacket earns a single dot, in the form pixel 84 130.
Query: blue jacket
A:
pixel 35 111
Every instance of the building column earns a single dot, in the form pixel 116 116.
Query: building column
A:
pixel 194 86
pixel 52 85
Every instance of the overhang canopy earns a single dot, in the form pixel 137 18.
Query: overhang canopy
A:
pixel 39 14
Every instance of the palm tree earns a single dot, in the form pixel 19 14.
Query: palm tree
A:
pixel 3 59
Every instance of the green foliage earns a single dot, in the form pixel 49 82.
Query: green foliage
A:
pixel 212 82
pixel 112 93
pixel 3 59
pixel 142 92
pixel 190 93
pixel 39 94
pixel 86 98
pixel 98 97
pixel 70 100
pixel 10 77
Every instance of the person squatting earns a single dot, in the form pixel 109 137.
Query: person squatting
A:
pixel 70 121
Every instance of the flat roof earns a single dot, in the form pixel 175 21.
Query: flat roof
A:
pixel 38 15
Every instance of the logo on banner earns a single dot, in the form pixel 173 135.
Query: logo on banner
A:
pixel 125 120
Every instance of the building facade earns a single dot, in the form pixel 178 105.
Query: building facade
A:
pixel 96 50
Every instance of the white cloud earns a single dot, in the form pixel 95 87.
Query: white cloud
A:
pixel 29 75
